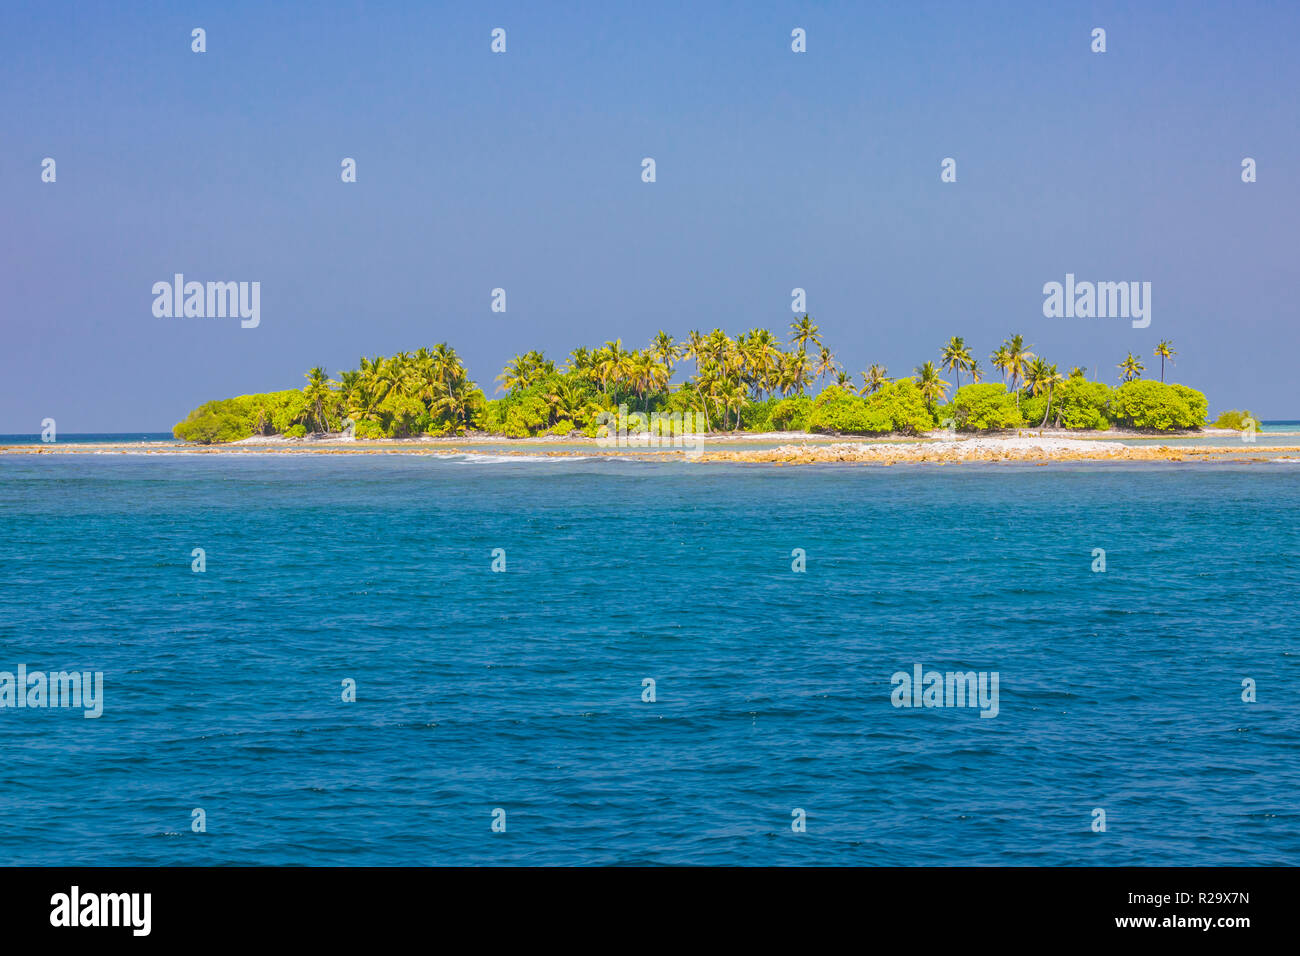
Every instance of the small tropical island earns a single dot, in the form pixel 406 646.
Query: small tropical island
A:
pixel 748 385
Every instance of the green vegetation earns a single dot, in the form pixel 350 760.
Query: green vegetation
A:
pixel 419 393
pixel 985 406
pixel 896 407
pixel 1155 405
pixel 1083 404
pixel 1236 420
pixel 234 418
pixel 1131 368
pixel 1164 350
pixel 790 414
pixel 1040 379
pixel 752 382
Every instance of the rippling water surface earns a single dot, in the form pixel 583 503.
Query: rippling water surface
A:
pixel 523 690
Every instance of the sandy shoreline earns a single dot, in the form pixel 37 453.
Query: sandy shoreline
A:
pixel 782 449
pixel 1024 449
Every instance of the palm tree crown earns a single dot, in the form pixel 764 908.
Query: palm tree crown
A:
pixel 955 357
pixel 1164 350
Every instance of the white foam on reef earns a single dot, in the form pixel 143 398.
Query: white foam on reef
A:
pixel 140 454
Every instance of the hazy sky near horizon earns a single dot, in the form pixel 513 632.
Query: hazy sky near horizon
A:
pixel 522 170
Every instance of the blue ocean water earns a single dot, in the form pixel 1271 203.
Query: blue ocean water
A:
pixel 83 438
pixel 523 690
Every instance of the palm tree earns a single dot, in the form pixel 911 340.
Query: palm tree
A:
pixel 370 374
pixel 362 401
pixel 694 343
pixel 388 378
pixel 453 402
pixel 707 382
pixel 567 399
pixel 579 364
pixel 747 359
pixel 1001 360
pixel 1130 368
pixel 402 365
pixel 716 345
pixel 802 332
pixel 874 379
pixel 1163 351
pixel 1041 377
pixel 932 387
pixel 516 375
pixel 426 378
pixel 350 383
pixel 766 358
pixel 955 357
pixel 664 348
pixel 318 393
pixel 976 373
pixel 613 366
pixel 795 371
pixel 436 377
pixel 446 363
pixel 733 397
pixel 539 364
pixel 1018 358
pixel 646 375
pixel 825 364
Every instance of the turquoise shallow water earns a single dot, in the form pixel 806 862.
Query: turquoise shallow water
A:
pixel 522 690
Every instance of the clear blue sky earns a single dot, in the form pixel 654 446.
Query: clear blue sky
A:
pixel 522 170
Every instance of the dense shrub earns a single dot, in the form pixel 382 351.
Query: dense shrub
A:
pixel 1146 404
pixel 406 416
pixel 790 414
pixel 847 414
pixel 902 403
pixel 1236 420
pixel 527 415
pixel 897 407
pixel 284 409
pixel 1196 402
pixel 983 406
pixel 231 419
pixel 206 427
pixel 1033 408
pixel 1079 403
pixel 476 407
pixel 755 416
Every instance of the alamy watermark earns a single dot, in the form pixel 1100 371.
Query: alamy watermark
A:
pixel 1102 300
pixel 685 430
pixel 75 908
pixel 213 300
pixel 951 689
pixel 84 689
